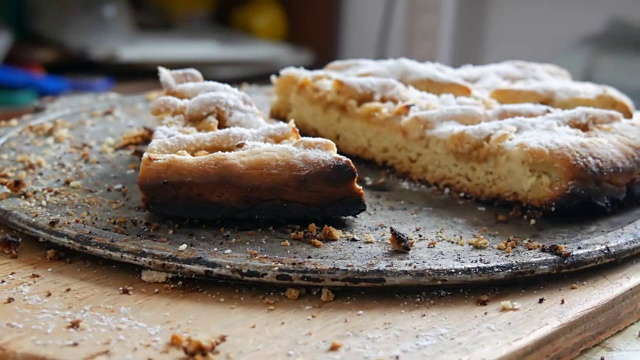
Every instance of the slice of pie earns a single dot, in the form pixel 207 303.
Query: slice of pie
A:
pixel 515 131
pixel 216 156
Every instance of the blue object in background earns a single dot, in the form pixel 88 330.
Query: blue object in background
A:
pixel 12 77
pixel 93 84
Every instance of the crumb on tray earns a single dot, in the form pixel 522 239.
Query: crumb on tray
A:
pixel 134 137
pixel 479 242
pixel 399 241
pixel 315 242
pixel 329 233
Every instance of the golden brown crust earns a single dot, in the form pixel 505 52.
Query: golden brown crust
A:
pixel 534 154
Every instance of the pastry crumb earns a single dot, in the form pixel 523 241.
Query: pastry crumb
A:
pixel 558 250
pixel 399 241
pixel 53 254
pixel 196 348
pixel 152 276
pixel 176 340
pixel 297 235
pixel 292 293
pixel 508 305
pixel 126 290
pixel 75 184
pixel 532 245
pixel 252 253
pixel 483 300
pixel 317 243
pixel 134 137
pixel 479 242
pixel 9 244
pixel 329 233
pixel 335 346
pixel 74 324
pixel 327 295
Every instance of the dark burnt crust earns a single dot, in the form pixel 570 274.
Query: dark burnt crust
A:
pixel 168 200
pixel 605 195
pixel 604 181
pixel 327 190
pixel 260 211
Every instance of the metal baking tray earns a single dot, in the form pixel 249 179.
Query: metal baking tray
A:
pixel 81 194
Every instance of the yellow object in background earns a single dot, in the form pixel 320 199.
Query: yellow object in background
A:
pixel 266 19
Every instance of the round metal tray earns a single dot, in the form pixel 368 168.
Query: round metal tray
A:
pixel 81 194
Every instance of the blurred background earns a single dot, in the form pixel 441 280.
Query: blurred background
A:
pixel 54 47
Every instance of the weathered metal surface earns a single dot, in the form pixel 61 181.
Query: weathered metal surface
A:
pixel 81 194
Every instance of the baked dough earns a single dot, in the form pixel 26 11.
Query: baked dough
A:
pixel 216 156
pixel 497 140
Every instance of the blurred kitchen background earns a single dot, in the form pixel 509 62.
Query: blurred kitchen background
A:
pixel 53 47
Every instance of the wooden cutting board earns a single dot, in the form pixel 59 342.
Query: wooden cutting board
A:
pixel 260 322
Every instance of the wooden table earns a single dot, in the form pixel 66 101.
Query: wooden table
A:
pixel 124 317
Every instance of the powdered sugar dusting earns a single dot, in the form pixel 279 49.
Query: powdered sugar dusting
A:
pixel 203 117
pixel 85 325
pixel 506 82
pixel 406 71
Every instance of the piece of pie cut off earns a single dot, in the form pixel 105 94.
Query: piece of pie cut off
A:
pixel 216 156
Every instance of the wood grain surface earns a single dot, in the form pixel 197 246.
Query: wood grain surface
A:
pixel 123 317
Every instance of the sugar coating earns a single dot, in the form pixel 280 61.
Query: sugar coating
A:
pixel 201 117
pixel 507 82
